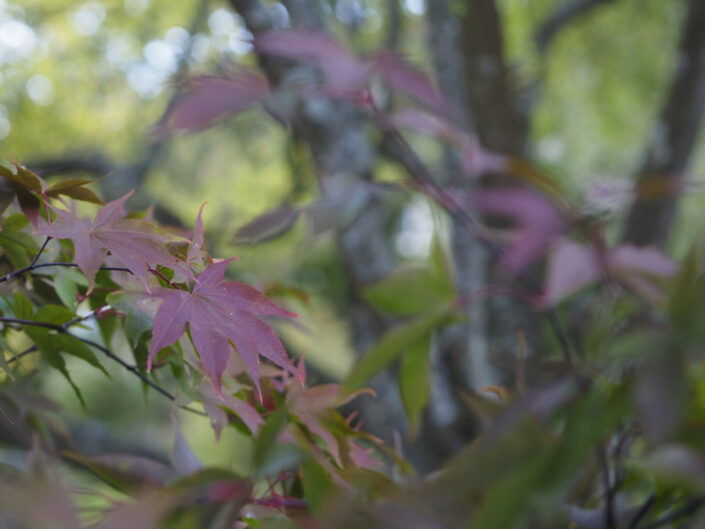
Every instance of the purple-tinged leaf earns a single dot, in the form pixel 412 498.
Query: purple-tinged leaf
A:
pixel 536 223
pixel 403 78
pixel 183 460
pixel 194 253
pixel 37 504
pixel 649 261
pixel 220 314
pixel 475 159
pixel 145 513
pixel 122 471
pixel 571 267
pixel 208 99
pixel 342 71
pixel 268 226
pixel 137 244
pixel 214 404
pixel 678 462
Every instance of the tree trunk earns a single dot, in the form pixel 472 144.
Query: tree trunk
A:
pixel 674 137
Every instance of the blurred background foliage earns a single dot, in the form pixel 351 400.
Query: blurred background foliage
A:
pixel 92 78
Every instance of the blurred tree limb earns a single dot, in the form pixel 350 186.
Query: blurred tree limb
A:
pixel 674 137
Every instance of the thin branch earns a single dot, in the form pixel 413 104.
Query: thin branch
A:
pixel 563 16
pixel 31 267
pixel 609 490
pixel 22 321
pixel 107 352
pixel 39 253
pixel 418 171
pixel 642 512
pixel 27 351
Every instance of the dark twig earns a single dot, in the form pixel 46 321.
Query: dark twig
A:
pixel 642 512
pixel 609 490
pixel 27 351
pixel 39 253
pixel 107 352
pixel 34 266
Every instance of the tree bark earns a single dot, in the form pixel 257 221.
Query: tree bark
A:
pixel 667 156
pixel 334 132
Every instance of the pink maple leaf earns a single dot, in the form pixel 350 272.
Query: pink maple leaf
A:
pixel 220 314
pixel 573 266
pixel 536 222
pixel 475 159
pixel 138 245
pixel 345 73
pixel 208 99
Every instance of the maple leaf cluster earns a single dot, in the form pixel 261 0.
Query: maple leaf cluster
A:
pixel 221 316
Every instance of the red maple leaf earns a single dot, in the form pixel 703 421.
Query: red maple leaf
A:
pixel 139 245
pixel 220 314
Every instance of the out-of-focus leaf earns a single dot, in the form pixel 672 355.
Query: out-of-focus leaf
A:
pixel 44 503
pixel 65 286
pixel 393 343
pixel 409 292
pixel 14 222
pixel 268 226
pixel 50 343
pixel 270 456
pixel 216 406
pixel 536 222
pixel 475 159
pixel 124 472
pixel 209 498
pixel 403 78
pixel 22 176
pixel 3 362
pixel 573 266
pixel 687 301
pixel 343 72
pixel 208 99
pixel 317 483
pixel 661 393
pixel 17 244
pixel 144 513
pixel 22 306
pixel 5 200
pixel 195 253
pixel 677 463
pixel 215 484
pixel 415 382
pixel 183 460
pixel 139 311
pixel 649 261
pixel 74 188
pixel 344 199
